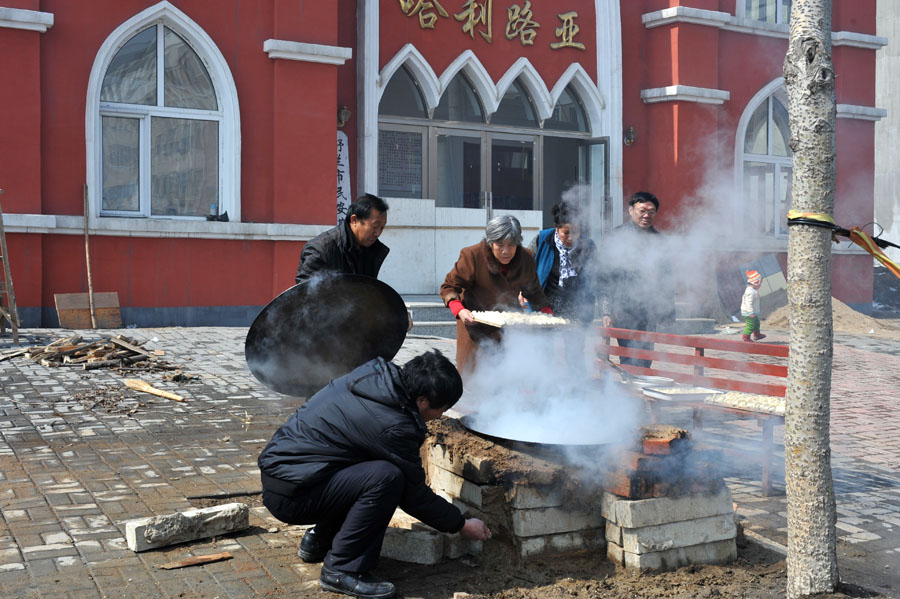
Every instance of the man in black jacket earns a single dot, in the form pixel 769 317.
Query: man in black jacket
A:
pixel 349 457
pixel 637 286
pixel 351 247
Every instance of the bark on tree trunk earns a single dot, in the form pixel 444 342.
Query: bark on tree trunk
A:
pixel 809 79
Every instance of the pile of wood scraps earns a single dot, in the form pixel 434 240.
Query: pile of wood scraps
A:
pixel 119 352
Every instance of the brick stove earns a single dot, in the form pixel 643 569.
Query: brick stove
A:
pixel 656 505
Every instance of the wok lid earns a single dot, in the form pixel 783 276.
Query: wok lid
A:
pixel 323 328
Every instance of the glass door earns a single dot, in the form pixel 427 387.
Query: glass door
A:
pixel 513 178
pixel 594 156
pixel 458 178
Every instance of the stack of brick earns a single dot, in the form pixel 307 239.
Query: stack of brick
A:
pixel 408 540
pixel 534 513
pixel 666 505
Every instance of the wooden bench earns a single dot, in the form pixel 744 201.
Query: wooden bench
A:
pixel 738 373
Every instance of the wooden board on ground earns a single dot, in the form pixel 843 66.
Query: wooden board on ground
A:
pixel 74 310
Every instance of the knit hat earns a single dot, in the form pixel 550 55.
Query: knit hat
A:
pixel 753 277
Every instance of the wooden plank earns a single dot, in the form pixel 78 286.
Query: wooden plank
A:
pixel 197 560
pixel 716 382
pixel 74 312
pixel 698 361
pixel 744 347
pixel 76 301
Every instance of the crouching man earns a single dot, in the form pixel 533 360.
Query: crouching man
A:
pixel 349 457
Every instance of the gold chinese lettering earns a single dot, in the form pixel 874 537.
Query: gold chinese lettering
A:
pixel 567 32
pixel 519 23
pixel 425 10
pixel 475 13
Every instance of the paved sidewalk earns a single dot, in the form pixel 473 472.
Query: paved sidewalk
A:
pixel 80 454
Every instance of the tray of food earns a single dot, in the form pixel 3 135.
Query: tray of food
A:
pixel 680 393
pixel 748 401
pixel 507 319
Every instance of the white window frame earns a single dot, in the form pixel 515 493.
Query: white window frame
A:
pixel 164 14
pixel 773 88
pixel 741 13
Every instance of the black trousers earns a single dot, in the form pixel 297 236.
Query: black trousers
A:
pixel 352 509
pixel 638 325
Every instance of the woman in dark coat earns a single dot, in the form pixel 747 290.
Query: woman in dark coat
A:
pixel 489 276
pixel 563 254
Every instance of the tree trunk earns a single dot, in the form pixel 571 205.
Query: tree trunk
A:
pixel 809 79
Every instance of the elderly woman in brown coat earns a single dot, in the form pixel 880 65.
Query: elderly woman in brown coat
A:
pixel 489 276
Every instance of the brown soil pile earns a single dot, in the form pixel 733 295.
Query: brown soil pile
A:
pixel 845 318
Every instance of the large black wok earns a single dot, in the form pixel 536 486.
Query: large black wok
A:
pixel 536 434
pixel 323 328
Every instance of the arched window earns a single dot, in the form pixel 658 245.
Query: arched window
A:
pixel 459 103
pixel 568 114
pixel 164 139
pixel 402 97
pixel 766 166
pixel 515 109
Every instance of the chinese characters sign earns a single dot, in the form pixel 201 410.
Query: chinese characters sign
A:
pixel 343 177
pixel 477 16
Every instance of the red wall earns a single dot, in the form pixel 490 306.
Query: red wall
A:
pixel 288 113
pixel 682 146
pixel 443 44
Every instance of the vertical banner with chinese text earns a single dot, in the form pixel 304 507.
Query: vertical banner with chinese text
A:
pixel 343 177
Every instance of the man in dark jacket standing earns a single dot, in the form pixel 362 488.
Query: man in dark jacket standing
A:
pixel 352 247
pixel 637 288
pixel 349 457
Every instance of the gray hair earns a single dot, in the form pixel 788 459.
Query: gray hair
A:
pixel 502 228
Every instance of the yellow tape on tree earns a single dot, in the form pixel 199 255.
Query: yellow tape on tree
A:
pixel 795 214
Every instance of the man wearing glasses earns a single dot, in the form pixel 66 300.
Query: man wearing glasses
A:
pixel 636 289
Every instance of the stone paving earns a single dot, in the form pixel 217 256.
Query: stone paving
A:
pixel 80 454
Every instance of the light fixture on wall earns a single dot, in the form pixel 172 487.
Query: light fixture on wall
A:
pixel 630 136
pixel 343 115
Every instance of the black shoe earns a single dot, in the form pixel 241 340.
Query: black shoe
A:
pixel 312 550
pixel 357 584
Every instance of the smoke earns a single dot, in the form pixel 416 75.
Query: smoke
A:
pixel 542 387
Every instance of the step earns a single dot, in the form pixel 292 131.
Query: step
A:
pixel 691 326
pixel 429 311
pixel 434 328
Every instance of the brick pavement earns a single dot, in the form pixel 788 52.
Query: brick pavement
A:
pixel 80 454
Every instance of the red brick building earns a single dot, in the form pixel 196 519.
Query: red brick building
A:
pixel 174 111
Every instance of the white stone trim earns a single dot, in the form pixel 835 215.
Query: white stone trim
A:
pixel 304 52
pixel 862 113
pixel 410 57
pixel 608 20
pixel 478 76
pixel 368 95
pixel 59 224
pixel 31 20
pixel 223 82
pixel 685 93
pixel 740 24
pixel 685 14
pixel 594 104
pixel 433 86
pixel 858 40
pixel 525 72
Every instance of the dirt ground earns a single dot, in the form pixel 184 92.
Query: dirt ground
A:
pixel 758 573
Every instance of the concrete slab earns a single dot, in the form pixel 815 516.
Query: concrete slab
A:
pixel 182 527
